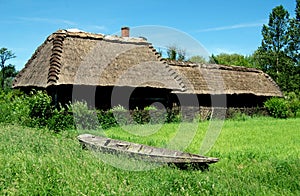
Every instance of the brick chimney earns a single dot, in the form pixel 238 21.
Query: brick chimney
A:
pixel 125 31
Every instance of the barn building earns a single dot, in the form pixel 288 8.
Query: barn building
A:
pixel 109 70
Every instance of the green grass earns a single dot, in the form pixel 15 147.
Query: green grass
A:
pixel 259 156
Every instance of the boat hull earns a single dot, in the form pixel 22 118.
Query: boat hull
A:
pixel 146 153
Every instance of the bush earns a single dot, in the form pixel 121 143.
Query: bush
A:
pixel 61 120
pixel 14 107
pixel 293 103
pixel 118 115
pixel 173 116
pixel 289 106
pixel 278 107
pixel 140 116
pixel 106 119
pixel 40 108
pixel 33 110
pixel 84 117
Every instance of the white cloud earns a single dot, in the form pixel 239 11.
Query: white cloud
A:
pixel 47 20
pixel 236 26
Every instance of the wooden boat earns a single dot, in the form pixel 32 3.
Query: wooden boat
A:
pixel 146 153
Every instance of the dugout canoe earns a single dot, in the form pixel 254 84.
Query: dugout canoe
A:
pixel 146 153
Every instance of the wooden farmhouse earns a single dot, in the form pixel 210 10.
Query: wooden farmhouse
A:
pixel 111 70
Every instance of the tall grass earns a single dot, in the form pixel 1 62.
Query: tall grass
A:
pixel 258 156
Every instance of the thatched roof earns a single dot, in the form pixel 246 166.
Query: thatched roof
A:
pixel 221 79
pixel 80 58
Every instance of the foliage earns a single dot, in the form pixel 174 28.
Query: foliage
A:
pixel 257 156
pixel 150 108
pixel 293 103
pixel 84 117
pixel 14 107
pixel 181 54
pixel 61 120
pixel 33 110
pixel 140 116
pixel 173 116
pixel 233 59
pixel 118 108
pixel 197 59
pixel 37 110
pixel 9 73
pixel 276 55
pixel 40 108
pixel 275 33
pixel 289 106
pixel 294 35
pixel 172 52
pixel 108 120
pixel 5 55
pixel 175 53
pixel 277 107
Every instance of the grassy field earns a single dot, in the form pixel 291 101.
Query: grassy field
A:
pixel 259 156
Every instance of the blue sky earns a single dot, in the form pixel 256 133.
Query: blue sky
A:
pixel 230 26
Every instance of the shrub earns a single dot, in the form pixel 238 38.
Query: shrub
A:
pixel 158 116
pixel 20 110
pixel 140 116
pixel 36 110
pixel 173 116
pixel 84 117
pixel 5 107
pixel 61 120
pixel 40 108
pixel 278 107
pixel 14 107
pixel 117 115
pixel 106 119
pixel 293 103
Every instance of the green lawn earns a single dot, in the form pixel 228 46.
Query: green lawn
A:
pixel 259 156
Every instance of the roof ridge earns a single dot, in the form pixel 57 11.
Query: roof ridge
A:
pixel 98 36
pixel 212 66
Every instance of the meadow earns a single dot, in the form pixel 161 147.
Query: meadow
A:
pixel 258 156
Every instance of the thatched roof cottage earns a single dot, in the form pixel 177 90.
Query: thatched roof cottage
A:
pixel 97 68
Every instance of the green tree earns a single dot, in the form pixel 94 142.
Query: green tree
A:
pixel 175 53
pixel 197 59
pixel 172 52
pixel 213 59
pixel 9 72
pixel 294 35
pixel 272 55
pixel 181 54
pixel 5 55
pixel 233 59
pixel 294 46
